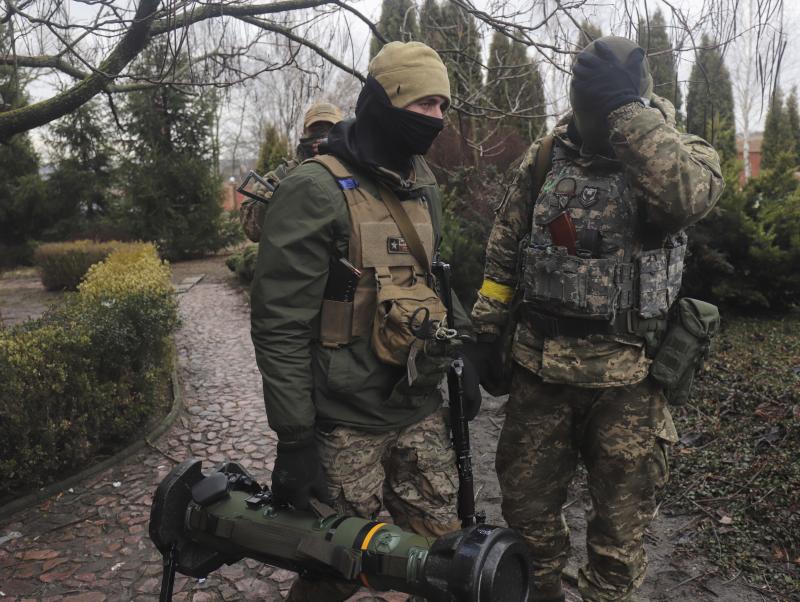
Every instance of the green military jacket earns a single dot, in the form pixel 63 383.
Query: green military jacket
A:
pixel 675 180
pixel 306 384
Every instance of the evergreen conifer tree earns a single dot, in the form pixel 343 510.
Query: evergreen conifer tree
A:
pixel 652 36
pixel 778 136
pixel 82 178
pixel 172 188
pixel 430 16
pixel 515 86
pixel 274 148
pixel 398 22
pixel 794 122
pixel 709 103
pixel 587 34
pixel 460 47
pixel 25 209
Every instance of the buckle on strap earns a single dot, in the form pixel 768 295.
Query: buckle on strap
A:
pixel 625 272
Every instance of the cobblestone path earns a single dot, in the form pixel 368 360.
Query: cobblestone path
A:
pixel 90 544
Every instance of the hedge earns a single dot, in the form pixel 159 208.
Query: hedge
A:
pixel 62 264
pixel 84 379
pixel 243 263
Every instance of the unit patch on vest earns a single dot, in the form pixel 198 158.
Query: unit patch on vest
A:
pixel 396 244
pixel 588 196
pixel 564 191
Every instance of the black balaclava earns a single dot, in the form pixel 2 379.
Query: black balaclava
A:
pixel 383 135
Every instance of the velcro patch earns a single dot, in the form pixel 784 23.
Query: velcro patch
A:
pixel 396 244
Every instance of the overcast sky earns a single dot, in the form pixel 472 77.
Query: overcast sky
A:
pixel 602 12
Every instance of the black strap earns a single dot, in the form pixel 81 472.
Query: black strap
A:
pixel 541 165
pixel 626 322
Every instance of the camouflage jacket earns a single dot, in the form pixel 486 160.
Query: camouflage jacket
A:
pixel 674 180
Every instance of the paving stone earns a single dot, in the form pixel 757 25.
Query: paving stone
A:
pixel 56 576
pixel 40 555
pixel 87 597
pixel 223 419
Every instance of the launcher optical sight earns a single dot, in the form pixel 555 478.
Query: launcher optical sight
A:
pixel 201 521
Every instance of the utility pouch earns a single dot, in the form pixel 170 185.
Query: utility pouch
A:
pixel 397 309
pixel 251 217
pixel 685 346
pixel 336 323
pixel 660 272
pixel 594 288
pixel 336 315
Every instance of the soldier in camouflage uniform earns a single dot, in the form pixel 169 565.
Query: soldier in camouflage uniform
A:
pixel 353 428
pixel 317 122
pixel 595 255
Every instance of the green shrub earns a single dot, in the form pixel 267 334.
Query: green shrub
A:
pixel 63 264
pixel 85 378
pixel 243 263
pixel 746 253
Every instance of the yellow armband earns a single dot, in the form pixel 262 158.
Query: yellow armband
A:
pixel 499 292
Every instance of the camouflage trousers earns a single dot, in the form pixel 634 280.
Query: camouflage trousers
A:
pixel 621 434
pixel 410 471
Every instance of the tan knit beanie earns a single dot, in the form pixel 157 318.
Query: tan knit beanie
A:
pixel 322 111
pixel 409 71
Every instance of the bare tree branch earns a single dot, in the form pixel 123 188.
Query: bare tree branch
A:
pixel 135 39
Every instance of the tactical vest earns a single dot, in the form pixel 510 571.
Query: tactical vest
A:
pixel 377 249
pixel 609 272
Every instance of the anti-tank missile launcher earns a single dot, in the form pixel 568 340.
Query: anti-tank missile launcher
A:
pixel 201 521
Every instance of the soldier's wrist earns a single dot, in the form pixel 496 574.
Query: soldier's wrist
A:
pixel 486 332
pixel 624 113
pixel 487 337
pixel 292 439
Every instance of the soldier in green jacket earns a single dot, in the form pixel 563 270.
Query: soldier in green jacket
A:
pixel 595 256
pixel 355 402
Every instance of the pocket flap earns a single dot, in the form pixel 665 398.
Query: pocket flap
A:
pixel 383 245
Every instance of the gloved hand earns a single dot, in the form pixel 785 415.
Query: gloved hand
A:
pixel 604 81
pixel 471 392
pixel 487 359
pixel 298 475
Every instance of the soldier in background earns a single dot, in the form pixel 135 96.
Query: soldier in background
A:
pixel 596 219
pixel 317 122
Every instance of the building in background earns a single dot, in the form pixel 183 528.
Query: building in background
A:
pixel 754 155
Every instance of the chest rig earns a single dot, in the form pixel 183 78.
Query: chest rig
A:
pixel 378 250
pixel 586 258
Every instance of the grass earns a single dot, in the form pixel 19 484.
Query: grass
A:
pixel 738 461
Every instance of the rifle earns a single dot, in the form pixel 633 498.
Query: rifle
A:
pixel 459 425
